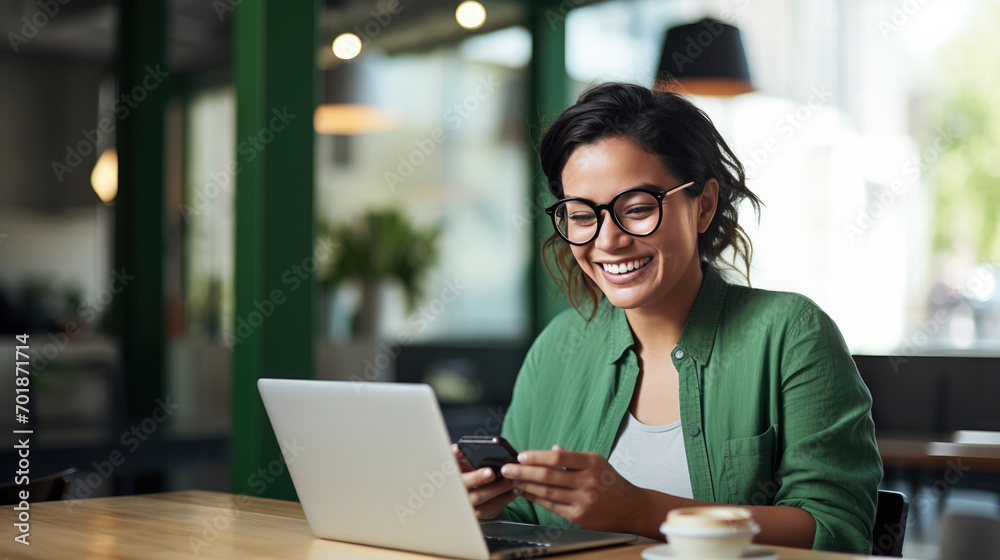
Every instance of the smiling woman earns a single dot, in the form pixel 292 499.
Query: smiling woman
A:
pixel 599 170
pixel 670 132
pixel 667 386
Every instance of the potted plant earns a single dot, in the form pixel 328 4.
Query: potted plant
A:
pixel 380 245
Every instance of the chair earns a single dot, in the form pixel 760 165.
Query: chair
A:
pixel 890 524
pixel 45 489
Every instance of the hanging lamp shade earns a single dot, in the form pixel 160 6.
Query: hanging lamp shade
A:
pixel 343 113
pixel 706 58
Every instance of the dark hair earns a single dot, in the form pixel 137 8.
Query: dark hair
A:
pixel 667 125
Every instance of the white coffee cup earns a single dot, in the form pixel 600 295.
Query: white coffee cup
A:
pixel 710 531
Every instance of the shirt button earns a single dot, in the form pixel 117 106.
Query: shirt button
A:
pixel 679 354
pixel 694 432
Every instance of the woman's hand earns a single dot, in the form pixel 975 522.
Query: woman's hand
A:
pixel 587 490
pixel 487 494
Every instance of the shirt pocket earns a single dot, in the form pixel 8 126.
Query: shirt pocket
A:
pixel 748 469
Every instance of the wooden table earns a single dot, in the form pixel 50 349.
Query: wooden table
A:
pixel 198 524
pixel 979 451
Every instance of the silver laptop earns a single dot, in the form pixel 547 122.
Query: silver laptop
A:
pixel 372 465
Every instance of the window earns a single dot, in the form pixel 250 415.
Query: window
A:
pixel 868 141
pixel 456 160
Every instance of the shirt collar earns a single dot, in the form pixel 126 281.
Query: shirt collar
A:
pixel 620 332
pixel 698 335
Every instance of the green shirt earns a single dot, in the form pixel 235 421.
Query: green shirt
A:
pixel 772 406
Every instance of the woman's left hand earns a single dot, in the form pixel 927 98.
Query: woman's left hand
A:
pixel 587 490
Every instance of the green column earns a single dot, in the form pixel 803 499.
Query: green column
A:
pixel 275 73
pixel 548 95
pixel 142 84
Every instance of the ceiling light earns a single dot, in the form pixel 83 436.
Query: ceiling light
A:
pixel 346 46
pixel 470 15
pixel 706 58
pixel 104 177
pixel 349 119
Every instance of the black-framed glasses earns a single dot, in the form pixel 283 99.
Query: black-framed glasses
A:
pixel 637 211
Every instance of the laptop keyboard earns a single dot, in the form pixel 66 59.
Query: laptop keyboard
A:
pixel 499 544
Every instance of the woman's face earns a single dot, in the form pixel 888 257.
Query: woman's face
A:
pixel 603 169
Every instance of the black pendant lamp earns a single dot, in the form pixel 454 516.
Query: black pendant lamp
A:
pixel 706 58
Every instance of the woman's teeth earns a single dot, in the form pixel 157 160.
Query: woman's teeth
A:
pixel 626 267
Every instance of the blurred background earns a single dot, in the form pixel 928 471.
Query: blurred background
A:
pixel 195 194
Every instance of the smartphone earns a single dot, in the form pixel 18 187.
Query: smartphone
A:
pixel 487 451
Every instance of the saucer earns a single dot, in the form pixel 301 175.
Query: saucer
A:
pixel 664 552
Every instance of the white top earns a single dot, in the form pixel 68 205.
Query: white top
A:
pixel 652 457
